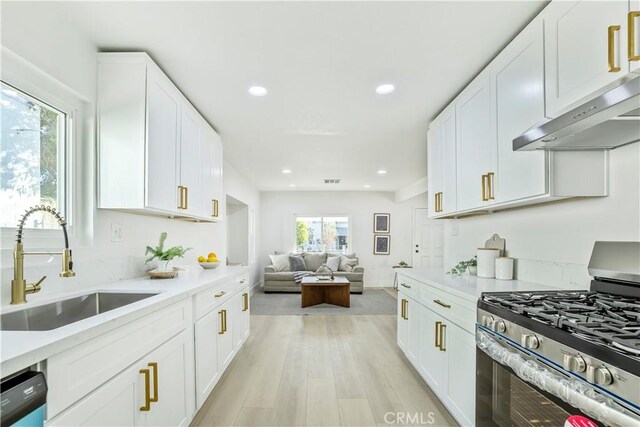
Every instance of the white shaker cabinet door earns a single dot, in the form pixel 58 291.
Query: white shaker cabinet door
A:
pixel 207 369
pixel 476 146
pixel 518 83
pixel 578 49
pixel 207 207
pixel 633 43
pixel 225 334
pixel 218 191
pixel 435 165
pixel 460 389
pixel 431 358
pixel 162 143
pixel 412 314
pixel 190 130
pixel 403 324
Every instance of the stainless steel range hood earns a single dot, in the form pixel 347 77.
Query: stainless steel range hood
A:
pixel 607 121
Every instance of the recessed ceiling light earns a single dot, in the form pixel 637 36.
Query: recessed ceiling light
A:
pixel 385 89
pixel 292 185
pixel 286 171
pixel 367 186
pixel 382 172
pixel 257 91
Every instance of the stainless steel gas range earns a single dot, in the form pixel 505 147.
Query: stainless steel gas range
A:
pixel 564 358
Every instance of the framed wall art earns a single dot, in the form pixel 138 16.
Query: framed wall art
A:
pixel 381 244
pixel 381 223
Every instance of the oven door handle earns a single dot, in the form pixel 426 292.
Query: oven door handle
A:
pixel 575 392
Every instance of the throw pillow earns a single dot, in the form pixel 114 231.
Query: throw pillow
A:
pixel 347 264
pixel 333 262
pixel 280 262
pixel 296 263
pixel 314 260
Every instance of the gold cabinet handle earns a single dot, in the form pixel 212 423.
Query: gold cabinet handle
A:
pixel 402 308
pixel 147 390
pixel 611 50
pixel 437 343
pixel 215 208
pixel 186 197
pixel 406 286
pixel 631 35
pixel 406 309
pixel 437 301
pixel 485 197
pixel 245 298
pixel 180 197
pixel 221 331
pixel 490 176
pixel 435 202
pixel 224 319
pixel 154 366
pixel 443 330
pixel 440 202
pixel 219 294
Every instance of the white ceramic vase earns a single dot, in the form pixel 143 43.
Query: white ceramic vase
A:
pixel 164 266
pixel 487 262
pixel 504 268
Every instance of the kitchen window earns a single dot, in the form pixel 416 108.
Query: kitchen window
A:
pixel 323 234
pixel 33 158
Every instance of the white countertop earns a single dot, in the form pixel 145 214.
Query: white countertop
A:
pixel 469 287
pixel 20 349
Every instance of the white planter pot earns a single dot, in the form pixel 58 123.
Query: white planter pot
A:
pixel 473 270
pixel 164 266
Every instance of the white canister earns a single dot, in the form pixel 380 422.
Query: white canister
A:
pixel 487 262
pixel 504 268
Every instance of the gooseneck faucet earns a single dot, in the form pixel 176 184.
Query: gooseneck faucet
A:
pixel 19 286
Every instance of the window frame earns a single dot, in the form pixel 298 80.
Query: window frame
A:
pixel 322 216
pixel 28 79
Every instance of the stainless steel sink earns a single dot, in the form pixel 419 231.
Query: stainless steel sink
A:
pixel 61 313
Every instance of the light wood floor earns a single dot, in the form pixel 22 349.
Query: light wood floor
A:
pixel 319 370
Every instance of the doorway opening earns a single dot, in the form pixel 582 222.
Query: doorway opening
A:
pixel 237 218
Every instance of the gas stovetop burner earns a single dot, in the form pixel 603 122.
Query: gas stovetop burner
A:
pixel 602 318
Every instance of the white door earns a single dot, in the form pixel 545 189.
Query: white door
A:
pixel 428 240
pixel 225 334
pixel 190 160
pixel 431 359
pixel 475 143
pixel 577 49
pixel 403 324
pixel 207 372
pixel 460 390
pixel 518 82
pixel 117 403
pixel 162 143
pixel 173 405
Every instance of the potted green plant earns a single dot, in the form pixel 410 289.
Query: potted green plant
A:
pixel 164 257
pixel 470 265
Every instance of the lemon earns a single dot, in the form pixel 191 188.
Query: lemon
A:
pixel 212 255
pixel 212 259
pixel 201 259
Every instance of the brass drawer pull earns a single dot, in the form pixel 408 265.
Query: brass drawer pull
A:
pixel 180 197
pixel 437 301
pixel 406 286
pixel 245 298
pixel 224 320
pixel 154 366
pixel 611 48
pixel 485 197
pixel 631 42
pixel 490 185
pixel 147 390
pixel 215 208
pixel 437 343
pixel 406 309
pixel 221 331
pixel 219 294
pixel 443 330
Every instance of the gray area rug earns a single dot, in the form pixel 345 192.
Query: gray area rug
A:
pixel 372 301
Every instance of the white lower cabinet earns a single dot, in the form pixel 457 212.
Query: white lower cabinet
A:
pixel 152 392
pixel 226 324
pixel 207 370
pixel 242 316
pixel 442 351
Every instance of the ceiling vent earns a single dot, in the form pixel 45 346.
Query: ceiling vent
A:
pixel 332 181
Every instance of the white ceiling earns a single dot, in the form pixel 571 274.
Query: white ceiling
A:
pixel 321 62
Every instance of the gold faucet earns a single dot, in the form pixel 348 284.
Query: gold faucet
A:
pixel 19 286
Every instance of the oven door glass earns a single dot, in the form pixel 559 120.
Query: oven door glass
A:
pixel 509 392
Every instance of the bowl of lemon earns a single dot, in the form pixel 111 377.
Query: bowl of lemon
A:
pixel 210 262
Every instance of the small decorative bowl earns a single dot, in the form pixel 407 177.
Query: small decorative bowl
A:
pixel 209 265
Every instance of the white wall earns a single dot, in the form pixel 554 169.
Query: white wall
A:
pixel 552 243
pixel 41 36
pixel 278 225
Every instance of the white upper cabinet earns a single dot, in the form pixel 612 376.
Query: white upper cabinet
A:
pixel 633 41
pixel 441 143
pixel 585 49
pixel 163 144
pixel 517 77
pixel 475 148
pixel 156 154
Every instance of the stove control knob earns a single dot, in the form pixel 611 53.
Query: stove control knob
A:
pixel 487 321
pixel 599 375
pixel 530 341
pixel 574 363
pixel 499 326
